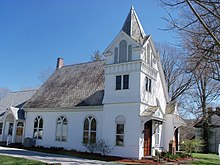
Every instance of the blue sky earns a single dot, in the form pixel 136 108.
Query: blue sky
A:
pixel 33 33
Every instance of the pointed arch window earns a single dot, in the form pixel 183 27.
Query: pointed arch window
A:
pixel 116 55
pixel 38 127
pixel 89 130
pixel 123 51
pixel 61 129
pixel 129 53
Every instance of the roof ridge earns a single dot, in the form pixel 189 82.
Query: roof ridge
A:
pixel 82 63
pixel 27 90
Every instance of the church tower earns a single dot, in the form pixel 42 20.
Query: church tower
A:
pixel 132 86
pixel 130 53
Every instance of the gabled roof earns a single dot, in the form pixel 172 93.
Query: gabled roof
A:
pixel 213 119
pixel 15 99
pixel 69 86
pixel 133 27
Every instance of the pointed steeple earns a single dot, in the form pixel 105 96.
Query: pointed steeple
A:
pixel 133 27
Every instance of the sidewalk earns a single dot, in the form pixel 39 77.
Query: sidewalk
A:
pixel 48 158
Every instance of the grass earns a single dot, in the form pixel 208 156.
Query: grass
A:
pixel 9 160
pixel 206 159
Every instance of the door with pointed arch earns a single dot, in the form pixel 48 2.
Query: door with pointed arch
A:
pixel 147 138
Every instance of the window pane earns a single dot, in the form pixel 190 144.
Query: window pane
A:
pixel 64 121
pixel 146 85
pixel 40 134
pixel 120 129
pixel 36 123
pixel 41 123
pixel 85 137
pixel 65 128
pixel 93 125
pixel 35 133
pixel 116 55
pixel 125 81
pixel 86 124
pixel 123 51
pixel 149 85
pixel 148 54
pixel 59 126
pixel 129 53
pixel 119 140
pixel 93 137
pixel 118 82
pixel 64 137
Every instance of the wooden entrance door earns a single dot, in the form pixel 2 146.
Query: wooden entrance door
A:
pixel 147 138
pixel 176 140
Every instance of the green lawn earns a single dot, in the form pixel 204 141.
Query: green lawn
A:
pixel 8 160
pixel 208 159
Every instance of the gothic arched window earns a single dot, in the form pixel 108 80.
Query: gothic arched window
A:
pixel 38 127
pixel 89 130
pixel 61 129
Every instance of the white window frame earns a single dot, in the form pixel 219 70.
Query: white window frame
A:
pixel 122 82
pixel 63 133
pixel 120 120
pixel 90 131
pixel 148 84
pixel 39 131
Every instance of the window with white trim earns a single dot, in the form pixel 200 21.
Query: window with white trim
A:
pixel 61 129
pixel 148 84
pixel 120 124
pixel 157 135
pixel 38 128
pixel 89 130
pixel 122 82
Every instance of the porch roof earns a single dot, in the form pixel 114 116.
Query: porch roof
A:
pixel 150 112
pixel 178 121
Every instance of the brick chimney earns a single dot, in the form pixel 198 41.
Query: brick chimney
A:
pixel 59 63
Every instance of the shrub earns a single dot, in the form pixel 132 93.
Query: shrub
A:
pixel 90 146
pixel 104 148
pixel 194 145
pixel 99 146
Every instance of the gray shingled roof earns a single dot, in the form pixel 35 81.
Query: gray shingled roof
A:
pixel 133 27
pixel 69 86
pixel 15 99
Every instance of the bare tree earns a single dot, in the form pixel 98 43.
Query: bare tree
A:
pixel 3 91
pixel 173 63
pixel 97 56
pixel 45 74
pixel 198 23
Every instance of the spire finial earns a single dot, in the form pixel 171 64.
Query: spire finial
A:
pixel 133 27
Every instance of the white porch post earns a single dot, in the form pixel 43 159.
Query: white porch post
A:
pixel 14 131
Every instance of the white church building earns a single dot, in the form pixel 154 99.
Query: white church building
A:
pixel 123 100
